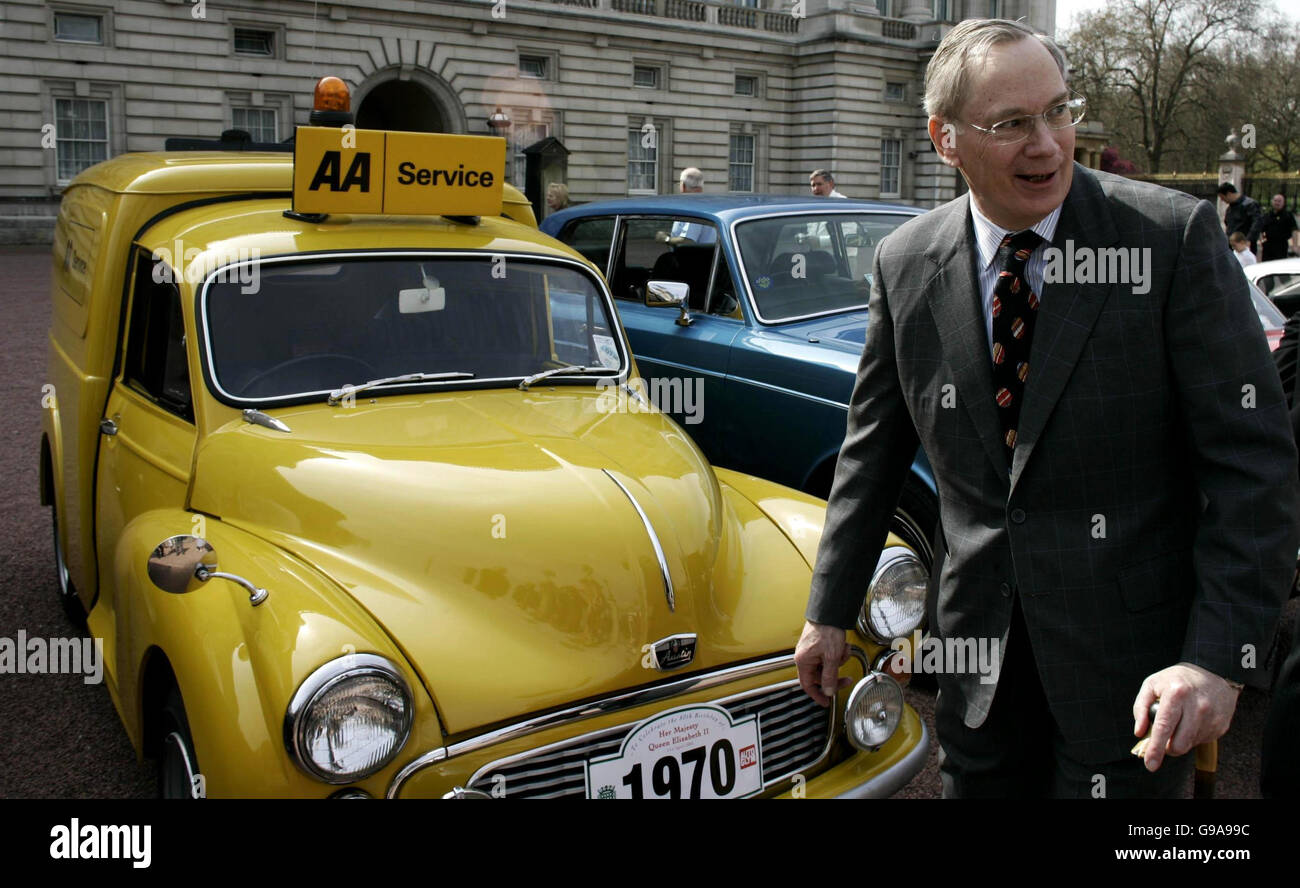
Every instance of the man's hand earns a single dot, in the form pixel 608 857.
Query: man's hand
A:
pixel 1196 706
pixel 818 657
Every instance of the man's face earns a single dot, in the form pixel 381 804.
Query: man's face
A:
pixel 1278 202
pixel 1014 185
pixel 821 186
pixel 1230 197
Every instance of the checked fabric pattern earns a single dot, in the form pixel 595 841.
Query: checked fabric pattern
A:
pixel 1015 307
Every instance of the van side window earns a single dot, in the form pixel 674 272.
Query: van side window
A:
pixel 155 342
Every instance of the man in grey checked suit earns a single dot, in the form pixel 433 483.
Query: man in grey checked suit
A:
pixel 1130 537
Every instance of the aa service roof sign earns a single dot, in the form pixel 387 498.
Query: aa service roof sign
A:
pixel 408 174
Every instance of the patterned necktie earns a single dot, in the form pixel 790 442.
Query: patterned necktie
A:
pixel 1015 307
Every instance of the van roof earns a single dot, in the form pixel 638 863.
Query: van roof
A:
pixel 178 172
pixel 225 172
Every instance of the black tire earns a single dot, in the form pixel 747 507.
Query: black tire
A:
pixel 177 762
pixel 67 592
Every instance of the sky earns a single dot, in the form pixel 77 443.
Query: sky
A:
pixel 1066 9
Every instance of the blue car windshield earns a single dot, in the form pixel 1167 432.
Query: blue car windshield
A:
pixel 808 264
pixel 309 326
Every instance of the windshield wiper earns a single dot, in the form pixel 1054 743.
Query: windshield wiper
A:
pixel 340 393
pixel 558 371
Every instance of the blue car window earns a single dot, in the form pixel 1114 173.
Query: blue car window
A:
pixel 650 251
pixel 806 264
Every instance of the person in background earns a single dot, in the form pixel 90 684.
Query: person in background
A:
pixel 557 197
pixel 1243 214
pixel 1278 227
pixel 823 184
pixel 1241 249
pixel 691 181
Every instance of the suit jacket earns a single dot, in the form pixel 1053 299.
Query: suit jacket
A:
pixel 1150 514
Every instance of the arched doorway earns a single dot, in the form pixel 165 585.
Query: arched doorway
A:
pixel 408 99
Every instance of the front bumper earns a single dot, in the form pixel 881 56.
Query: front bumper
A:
pixel 505 758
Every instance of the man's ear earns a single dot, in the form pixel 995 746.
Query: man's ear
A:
pixel 944 136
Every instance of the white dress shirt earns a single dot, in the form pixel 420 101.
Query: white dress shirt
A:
pixel 988 237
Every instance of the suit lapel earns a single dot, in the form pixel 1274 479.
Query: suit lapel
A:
pixel 1068 312
pixel 954 295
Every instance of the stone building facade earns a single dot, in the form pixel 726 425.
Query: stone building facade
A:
pixel 756 93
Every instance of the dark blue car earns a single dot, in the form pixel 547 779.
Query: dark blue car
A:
pixel 747 316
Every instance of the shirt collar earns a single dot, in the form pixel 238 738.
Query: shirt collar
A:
pixel 988 236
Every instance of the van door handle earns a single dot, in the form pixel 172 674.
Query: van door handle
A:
pixel 107 427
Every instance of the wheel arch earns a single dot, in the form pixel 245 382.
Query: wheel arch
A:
pixel 157 677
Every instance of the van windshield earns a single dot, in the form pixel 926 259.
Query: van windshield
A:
pixel 307 327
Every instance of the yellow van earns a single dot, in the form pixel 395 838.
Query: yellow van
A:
pixel 362 503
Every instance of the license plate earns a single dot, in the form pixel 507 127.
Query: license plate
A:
pixel 696 752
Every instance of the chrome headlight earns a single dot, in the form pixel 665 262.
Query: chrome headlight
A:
pixel 895 602
pixel 349 718
pixel 873 712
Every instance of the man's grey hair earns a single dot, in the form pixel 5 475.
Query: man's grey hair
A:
pixel 821 174
pixel 691 178
pixel 948 73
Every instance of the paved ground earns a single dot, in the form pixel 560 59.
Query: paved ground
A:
pixel 61 738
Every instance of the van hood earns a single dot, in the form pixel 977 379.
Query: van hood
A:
pixel 500 538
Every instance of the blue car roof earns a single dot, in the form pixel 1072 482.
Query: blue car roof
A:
pixel 723 208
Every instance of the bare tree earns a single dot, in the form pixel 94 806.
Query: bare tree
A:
pixel 1140 61
pixel 1271 106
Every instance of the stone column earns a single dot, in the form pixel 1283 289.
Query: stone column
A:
pixel 917 11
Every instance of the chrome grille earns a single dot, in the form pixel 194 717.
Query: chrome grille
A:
pixel 795 734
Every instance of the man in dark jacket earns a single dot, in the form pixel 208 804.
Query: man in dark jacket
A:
pixel 1277 226
pixel 1243 214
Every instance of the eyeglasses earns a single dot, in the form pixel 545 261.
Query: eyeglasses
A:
pixel 1017 129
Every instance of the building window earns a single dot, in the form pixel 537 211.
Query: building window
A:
pixel 746 85
pixel 995 9
pixel 740 163
pixel 534 66
pixel 78 27
pixel 940 9
pixel 895 92
pixel 891 154
pixel 255 42
pixel 81 129
pixel 645 76
pixel 643 159
pixel 259 123
pixel 521 136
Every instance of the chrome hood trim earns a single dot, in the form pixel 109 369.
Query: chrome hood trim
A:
pixel 654 541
